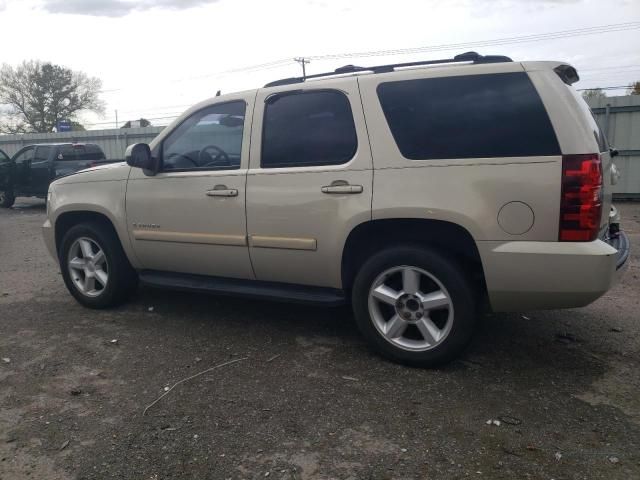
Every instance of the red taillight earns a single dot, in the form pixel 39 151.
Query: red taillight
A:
pixel 581 202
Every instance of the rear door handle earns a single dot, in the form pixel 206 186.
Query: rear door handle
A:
pixel 341 187
pixel 222 191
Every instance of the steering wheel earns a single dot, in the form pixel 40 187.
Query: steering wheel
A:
pixel 221 157
pixel 180 156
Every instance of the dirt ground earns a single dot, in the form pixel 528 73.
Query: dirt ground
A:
pixel 307 399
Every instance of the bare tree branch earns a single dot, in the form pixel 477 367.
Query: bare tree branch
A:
pixel 38 95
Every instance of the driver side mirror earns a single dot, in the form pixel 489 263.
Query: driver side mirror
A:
pixel 139 155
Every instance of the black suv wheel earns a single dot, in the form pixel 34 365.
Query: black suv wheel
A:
pixel 414 305
pixel 94 266
pixel 7 198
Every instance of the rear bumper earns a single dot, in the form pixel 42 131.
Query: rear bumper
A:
pixel 544 275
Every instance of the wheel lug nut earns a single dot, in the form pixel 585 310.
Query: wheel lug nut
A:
pixel 407 316
pixel 418 315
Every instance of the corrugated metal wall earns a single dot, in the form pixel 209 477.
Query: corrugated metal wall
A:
pixel 113 142
pixel 619 118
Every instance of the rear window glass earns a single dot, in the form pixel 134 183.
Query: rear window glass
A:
pixel 80 152
pixel 471 116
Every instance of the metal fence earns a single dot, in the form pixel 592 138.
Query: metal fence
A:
pixel 619 118
pixel 113 142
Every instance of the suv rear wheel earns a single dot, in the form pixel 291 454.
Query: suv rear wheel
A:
pixel 414 305
pixel 7 198
pixel 94 266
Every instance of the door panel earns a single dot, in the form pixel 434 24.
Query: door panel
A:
pixel 22 172
pixel 190 218
pixel 175 226
pixel 299 216
pixel 41 170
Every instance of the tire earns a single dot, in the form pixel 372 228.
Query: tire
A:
pixel 121 278
pixel 7 198
pixel 423 326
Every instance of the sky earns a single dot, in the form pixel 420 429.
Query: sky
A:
pixel 157 57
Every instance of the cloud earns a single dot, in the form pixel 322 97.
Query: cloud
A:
pixel 115 8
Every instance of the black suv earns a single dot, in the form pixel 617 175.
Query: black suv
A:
pixel 33 168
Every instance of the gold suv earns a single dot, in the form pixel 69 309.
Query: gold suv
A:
pixel 415 192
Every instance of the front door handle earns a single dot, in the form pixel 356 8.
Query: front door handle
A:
pixel 341 187
pixel 222 191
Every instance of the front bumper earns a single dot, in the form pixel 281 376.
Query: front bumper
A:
pixel 545 275
pixel 50 239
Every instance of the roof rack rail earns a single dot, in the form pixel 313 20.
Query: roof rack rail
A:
pixel 474 57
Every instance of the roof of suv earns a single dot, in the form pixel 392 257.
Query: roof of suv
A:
pixel 468 57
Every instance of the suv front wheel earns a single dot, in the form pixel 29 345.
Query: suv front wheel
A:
pixel 414 305
pixel 94 266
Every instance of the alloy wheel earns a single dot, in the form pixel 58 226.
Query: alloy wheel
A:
pixel 410 308
pixel 88 267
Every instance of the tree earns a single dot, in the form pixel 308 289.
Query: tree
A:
pixel 634 89
pixel 593 93
pixel 38 94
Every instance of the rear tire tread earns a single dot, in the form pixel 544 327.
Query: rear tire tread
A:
pixel 449 272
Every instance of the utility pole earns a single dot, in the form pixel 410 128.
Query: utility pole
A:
pixel 116 118
pixel 302 61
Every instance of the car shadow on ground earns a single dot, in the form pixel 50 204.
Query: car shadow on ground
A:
pixel 29 205
pixel 505 342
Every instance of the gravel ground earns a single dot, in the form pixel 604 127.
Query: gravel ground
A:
pixel 306 399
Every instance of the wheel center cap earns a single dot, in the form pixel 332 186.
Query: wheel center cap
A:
pixel 409 307
pixel 413 305
pixel 91 268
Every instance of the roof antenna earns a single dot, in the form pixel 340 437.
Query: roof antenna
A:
pixel 302 61
pixel 218 93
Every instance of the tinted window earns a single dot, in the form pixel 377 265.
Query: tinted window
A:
pixel 308 128
pixel 210 139
pixel 24 155
pixel 79 152
pixel 42 154
pixel 497 115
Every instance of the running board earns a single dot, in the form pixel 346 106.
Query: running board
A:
pixel 283 292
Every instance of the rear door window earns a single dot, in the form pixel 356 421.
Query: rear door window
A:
pixel 471 116
pixel 308 128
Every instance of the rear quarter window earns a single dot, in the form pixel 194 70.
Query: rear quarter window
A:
pixel 471 116
pixel 80 152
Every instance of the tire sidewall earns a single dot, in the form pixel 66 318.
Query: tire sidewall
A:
pixel 102 237
pixel 9 198
pixel 448 272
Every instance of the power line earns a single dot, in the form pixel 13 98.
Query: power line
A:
pixel 247 69
pixel 302 61
pixel 616 27
pixel 485 43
